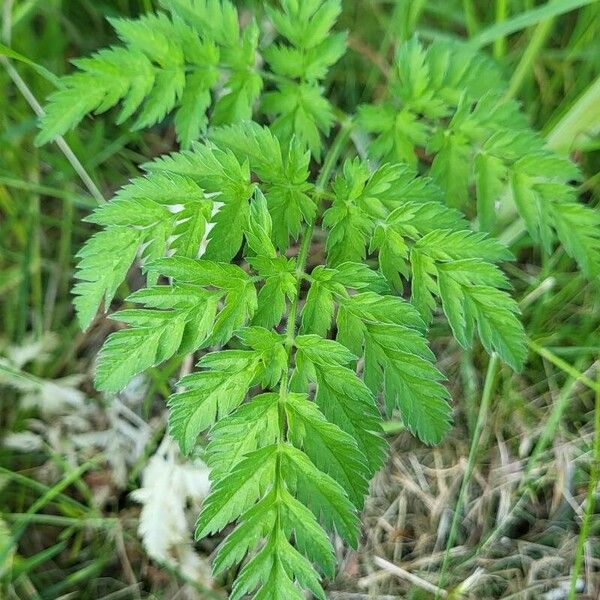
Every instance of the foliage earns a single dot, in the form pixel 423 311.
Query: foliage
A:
pixel 449 102
pixel 177 61
pixel 294 359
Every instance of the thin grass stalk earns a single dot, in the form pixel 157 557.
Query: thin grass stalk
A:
pixel 589 502
pixel 484 407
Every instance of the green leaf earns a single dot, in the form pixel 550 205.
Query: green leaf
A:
pixel 530 206
pixel 423 284
pixel 240 293
pixel 238 491
pixel 217 18
pixel 273 568
pixel 359 277
pixel 300 111
pixel 273 353
pixel 578 228
pixel 317 314
pixel 309 64
pixel 280 282
pixel 457 245
pixel 253 426
pixel 325 498
pixel 322 351
pixel 160 187
pixel 260 227
pixel 415 219
pixel 466 287
pixel 498 325
pixel 284 175
pixel 214 170
pixel 166 64
pixel 330 448
pixel 489 182
pixel 350 229
pixel 309 537
pixel 307 24
pixel 451 166
pixel 190 228
pixel 156 335
pixel 103 265
pixel 211 394
pixel 255 523
pixel 172 211
pixel 225 238
pixel 398 361
pixel 191 119
pixel 341 395
pixel 346 401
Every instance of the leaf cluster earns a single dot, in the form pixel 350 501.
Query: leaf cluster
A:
pixel 293 423
pixel 194 58
pixel 447 110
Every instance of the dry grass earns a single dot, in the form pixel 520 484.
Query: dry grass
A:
pixel 518 531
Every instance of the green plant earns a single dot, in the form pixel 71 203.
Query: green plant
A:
pixel 292 414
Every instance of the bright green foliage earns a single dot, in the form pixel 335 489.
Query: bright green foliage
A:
pixel 294 429
pixel 163 66
pixel 419 238
pixel 296 362
pixel 426 87
pixel 194 56
pixel 178 319
pixel 298 102
pixel 283 171
pixel 103 265
pixel 446 102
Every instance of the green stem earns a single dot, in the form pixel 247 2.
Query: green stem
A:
pixel 583 117
pixel 334 152
pixel 589 502
pixel 531 17
pixel 290 332
pixel 300 266
pixel 486 399
pixel 500 42
pixel 60 141
pixel 328 165
pixel 562 364
pixel 470 17
pixel 525 66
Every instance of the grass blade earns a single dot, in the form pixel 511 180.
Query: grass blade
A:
pixel 526 19
pixel 589 502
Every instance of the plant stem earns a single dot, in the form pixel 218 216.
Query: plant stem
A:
pixel 334 153
pixel 562 364
pixel 290 332
pixel 500 42
pixel 524 68
pixel 486 398
pixel 470 17
pixel 531 17
pixel 36 106
pixel 582 117
pixel 589 502
pixel 324 175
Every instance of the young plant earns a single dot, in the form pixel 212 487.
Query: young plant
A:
pixel 295 351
